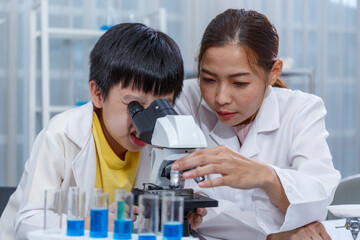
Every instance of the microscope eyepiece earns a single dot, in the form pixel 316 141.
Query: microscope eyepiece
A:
pixel 144 120
pixel 134 107
pixel 161 108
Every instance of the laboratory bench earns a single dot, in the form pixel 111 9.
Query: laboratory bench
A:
pixel 61 235
pixel 332 227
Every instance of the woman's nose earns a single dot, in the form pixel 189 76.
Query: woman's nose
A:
pixel 223 96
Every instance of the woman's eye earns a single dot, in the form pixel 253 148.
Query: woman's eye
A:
pixel 241 83
pixel 208 79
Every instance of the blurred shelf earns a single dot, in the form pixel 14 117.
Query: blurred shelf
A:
pixel 308 73
pixel 298 72
pixel 71 33
pixel 56 109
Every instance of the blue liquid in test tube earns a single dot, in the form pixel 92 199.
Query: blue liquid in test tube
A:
pixel 75 227
pixel 147 237
pixel 99 223
pixel 172 231
pixel 122 229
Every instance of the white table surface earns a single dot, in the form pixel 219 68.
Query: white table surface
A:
pixel 330 226
pixel 58 235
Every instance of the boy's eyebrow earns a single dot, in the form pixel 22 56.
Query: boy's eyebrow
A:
pixel 141 99
pixel 134 98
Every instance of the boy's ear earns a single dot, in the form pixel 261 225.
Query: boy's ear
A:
pixel 276 71
pixel 95 94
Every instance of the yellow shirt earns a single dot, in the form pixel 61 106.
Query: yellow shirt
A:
pixel 111 171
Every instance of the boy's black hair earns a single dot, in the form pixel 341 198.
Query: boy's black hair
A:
pixel 131 53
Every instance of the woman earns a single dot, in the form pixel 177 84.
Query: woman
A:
pixel 268 158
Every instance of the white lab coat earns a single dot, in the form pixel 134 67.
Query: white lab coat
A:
pixel 289 134
pixel 63 155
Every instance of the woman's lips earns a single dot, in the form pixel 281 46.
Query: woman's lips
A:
pixel 224 114
pixel 136 140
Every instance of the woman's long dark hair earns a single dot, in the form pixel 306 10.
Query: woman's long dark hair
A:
pixel 249 29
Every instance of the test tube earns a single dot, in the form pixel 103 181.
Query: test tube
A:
pixel 172 213
pixel 148 217
pixel 165 195
pixel 99 213
pixel 52 210
pixel 123 224
pixel 76 210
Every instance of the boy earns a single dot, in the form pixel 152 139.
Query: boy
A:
pixel 96 145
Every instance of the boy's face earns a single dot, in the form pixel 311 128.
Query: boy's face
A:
pixel 115 119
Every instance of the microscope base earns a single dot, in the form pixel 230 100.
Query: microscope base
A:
pixel 192 201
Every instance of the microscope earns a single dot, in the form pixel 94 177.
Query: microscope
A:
pixel 173 136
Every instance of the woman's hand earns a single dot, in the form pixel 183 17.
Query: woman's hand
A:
pixel 196 218
pixel 313 231
pixel 236 171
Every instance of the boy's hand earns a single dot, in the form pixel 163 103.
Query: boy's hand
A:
pixel 195 219
pixel 315 231
pixel 135 213
pixel 112 211
pixel 87 223
pixel 111 217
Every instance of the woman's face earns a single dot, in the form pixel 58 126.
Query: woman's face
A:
pixel 229 86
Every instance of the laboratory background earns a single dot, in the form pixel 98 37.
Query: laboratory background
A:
pixel 45 45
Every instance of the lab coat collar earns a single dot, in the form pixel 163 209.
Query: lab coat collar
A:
pixel 78 130
pixel 225 135
pixel 267 119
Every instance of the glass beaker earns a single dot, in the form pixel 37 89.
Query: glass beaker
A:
pixel 99 213
pixel 172 214
pixel 123 225
pixel 52 211
pixel 76 212
pixel 148 217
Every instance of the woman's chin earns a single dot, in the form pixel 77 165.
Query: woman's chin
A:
pixel 229 122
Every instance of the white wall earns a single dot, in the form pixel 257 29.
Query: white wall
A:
pixel 317 34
